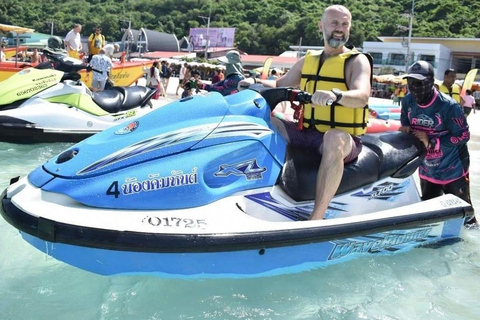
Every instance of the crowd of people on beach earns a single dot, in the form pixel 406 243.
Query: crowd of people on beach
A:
pixel 193 77
pixel 159 74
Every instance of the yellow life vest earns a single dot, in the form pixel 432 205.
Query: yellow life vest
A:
pixel 329 75
pixel 95 43
pixel 455 94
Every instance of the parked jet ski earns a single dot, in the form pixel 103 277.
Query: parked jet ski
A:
pixel 52 105
pixel 216 192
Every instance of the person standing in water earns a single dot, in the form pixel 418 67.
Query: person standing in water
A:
pixel 437 121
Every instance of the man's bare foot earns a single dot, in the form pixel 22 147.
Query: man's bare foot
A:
pixel 316 216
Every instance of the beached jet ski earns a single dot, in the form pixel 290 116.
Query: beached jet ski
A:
pixel 205 186
pixel 52 105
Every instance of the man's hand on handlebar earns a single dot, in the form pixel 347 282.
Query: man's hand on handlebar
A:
pixel 323 98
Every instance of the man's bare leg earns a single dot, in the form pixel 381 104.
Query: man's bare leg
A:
pixel 278 124
pixel 336 146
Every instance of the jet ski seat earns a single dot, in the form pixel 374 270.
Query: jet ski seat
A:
pixel 109 100
pixel 135 95
pixel 389 154
pixel 128 98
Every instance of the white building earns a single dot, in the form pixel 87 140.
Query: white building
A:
pixel 460 54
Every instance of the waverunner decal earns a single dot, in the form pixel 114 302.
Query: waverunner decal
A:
pixel 387 191
pixel 298 213
pixel 155 182
pixel 389 241
pixel 234 129
pixel 121 116
pixel 249 168
pixel 239 130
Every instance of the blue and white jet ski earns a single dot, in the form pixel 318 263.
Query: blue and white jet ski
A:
pixel 206 187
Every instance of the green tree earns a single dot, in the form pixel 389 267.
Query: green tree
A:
pixel 262 26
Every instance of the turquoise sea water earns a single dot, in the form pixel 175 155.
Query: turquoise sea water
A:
pixel 424 283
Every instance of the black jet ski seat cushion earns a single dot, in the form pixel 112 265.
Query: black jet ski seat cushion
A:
pixel 109 100
pixel 135 96
pixel 390 154
pixel 128 98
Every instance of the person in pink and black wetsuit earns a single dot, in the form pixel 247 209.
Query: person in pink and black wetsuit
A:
pixel 438 121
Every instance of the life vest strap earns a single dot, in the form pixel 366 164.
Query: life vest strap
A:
pixel 341 124
pixel 333 124
pixel 316 77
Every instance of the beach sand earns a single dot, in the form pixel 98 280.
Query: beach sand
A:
pixel 171 96
pixel 474 124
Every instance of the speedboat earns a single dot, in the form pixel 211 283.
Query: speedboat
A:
pixel 206 187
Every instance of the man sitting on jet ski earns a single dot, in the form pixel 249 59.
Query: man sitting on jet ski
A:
pixel 340 80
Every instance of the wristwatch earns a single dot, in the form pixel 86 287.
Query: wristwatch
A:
pixel 338 93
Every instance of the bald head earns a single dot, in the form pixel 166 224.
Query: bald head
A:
pixel 335 26
pixel 336 8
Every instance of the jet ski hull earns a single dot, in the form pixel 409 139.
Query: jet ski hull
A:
pixel 45 122
pixel 176 244
pixel 25 133
pixel 215 191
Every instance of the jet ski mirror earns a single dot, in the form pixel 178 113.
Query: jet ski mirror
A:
pixel 66 156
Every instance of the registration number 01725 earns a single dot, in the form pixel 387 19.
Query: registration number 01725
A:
pixel 174 222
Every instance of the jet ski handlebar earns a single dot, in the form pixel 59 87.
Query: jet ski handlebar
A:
pixel 274 96
pixel 66 64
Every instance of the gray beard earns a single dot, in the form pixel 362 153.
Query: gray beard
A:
pixel 337 43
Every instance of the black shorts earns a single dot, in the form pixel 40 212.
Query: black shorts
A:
pixel 313 139
pixel 459 187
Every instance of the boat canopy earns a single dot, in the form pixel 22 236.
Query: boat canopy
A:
pixel 4 28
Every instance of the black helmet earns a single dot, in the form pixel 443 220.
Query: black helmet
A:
pixel 55 43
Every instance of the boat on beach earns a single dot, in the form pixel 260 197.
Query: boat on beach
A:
pixel 215 191
pixel 11 51
pixel 124 73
